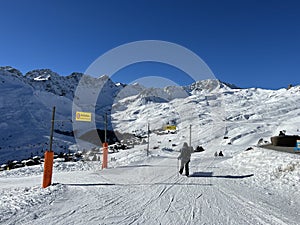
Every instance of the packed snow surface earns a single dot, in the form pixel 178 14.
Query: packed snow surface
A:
pixel 258 186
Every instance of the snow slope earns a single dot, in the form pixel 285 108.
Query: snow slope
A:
pixel 149 191
pixel 26 118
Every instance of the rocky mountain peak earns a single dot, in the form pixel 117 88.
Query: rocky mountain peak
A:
pixel 11 70
pixel 41 74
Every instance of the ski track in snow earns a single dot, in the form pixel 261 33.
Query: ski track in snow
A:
pixel 154 193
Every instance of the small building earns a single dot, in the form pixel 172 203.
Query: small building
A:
pixel 285 140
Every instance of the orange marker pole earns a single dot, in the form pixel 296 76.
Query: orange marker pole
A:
pixel 48 167
pixel 105 155
pixel 49 155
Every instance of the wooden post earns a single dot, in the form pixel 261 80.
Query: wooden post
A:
pixel 49 155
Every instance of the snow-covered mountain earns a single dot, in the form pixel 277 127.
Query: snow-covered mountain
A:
pixel 249 185
pixel 26 107
pixel 213 108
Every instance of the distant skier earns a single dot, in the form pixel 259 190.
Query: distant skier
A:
pixel 221 153
pixel 185 157
pixel 216 154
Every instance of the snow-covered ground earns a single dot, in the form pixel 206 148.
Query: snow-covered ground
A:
pixel 258 186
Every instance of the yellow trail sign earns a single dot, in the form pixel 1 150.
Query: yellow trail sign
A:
pixel 84 116
pixel 170 127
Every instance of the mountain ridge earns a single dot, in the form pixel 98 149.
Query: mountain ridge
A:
pixel 44 75
pixel 26 103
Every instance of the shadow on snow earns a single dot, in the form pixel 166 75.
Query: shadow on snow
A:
pixel 137 184
pixel 210 174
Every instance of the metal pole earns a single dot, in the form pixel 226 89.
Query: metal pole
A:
pixel 148 139
pixel 177 167
pixel 190 134
pixel 52 128
pixel 105 128
pixel 105 145
pixel 48 165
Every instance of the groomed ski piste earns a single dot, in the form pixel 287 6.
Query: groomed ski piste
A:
pixel 257 186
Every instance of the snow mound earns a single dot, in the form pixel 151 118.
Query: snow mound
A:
pixel 271 169
pixel 21 199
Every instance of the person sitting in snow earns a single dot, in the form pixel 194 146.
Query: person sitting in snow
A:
pixel 185 157
pixel 221 153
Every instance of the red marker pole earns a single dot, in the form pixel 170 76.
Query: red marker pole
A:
pixel 49 155
pixel 48 167
pixel 105 155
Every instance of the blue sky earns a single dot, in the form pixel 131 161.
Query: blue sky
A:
pixel 249 43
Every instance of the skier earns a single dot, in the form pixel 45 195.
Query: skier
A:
pixel 221 153
pixel 185 156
